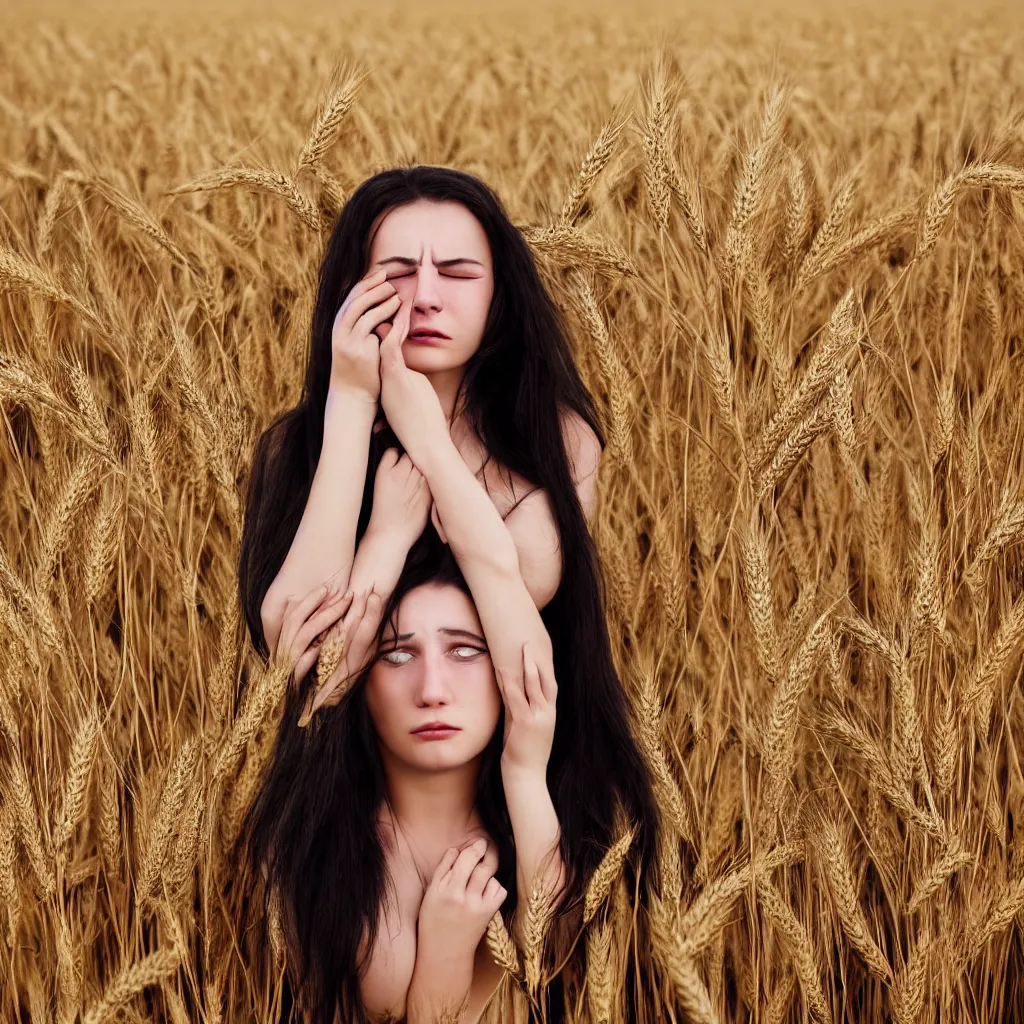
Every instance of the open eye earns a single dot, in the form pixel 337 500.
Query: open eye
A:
pixel 392 657
pixel 465 657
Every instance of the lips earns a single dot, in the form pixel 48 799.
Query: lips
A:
pixel 427 334
pixel 436 730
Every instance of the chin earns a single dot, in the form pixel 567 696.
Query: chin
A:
pixel 443 755
pixel 431 358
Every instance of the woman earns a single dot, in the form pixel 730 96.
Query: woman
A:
pixel 365 830
pixel 517 411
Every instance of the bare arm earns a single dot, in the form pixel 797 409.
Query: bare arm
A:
pixel 532 522
pixel 486 554
pixel 324 543
pixel 489 562
pixel 401 504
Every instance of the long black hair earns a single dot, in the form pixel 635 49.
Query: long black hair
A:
pixel 516 386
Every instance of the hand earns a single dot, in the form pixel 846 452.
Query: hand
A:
pixel 401 499
pixel 345 651
pixel 298 645
pixel 409 400
pixel 462 897
pixel 355 349
pixel 529 715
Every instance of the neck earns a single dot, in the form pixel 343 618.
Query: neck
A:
pixel 446 385
pixel 438 803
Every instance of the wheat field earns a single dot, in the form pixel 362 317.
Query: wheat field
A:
pixel 789 246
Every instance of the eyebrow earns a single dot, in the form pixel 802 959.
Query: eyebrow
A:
pixel 447 632
pixel 410 262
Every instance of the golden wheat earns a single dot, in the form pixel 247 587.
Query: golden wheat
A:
pixel 794 288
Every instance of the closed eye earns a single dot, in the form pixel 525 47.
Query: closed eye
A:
pixel 457 277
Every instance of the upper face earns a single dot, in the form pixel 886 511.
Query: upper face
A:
pixel 435 668
pixel 417 244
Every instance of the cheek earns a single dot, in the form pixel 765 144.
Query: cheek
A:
pixel 382 704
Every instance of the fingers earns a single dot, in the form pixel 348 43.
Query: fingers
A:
pixel 323 618
pixel 444 865
pixel 362 637
pixel 480 876
pixel 513 695
pixel 377 314
pixel 364 294
pixel 466 861
pixel 494 894
pixel 391 347
pixel 305 663
pixel 360 629
pixel 296 612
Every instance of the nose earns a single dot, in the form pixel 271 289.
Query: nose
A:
pixel 428 296
pixel 432 686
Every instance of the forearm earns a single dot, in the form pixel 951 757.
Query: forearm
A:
pixel 473 526
pixel 379 560
pixel 324 543
pixel 439 987
pixel 486 554
pixel 536 833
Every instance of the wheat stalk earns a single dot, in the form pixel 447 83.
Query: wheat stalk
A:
pixel 606 873
pixel 600 972
pixel 130 981
pixel 83 750
pixel 166 819
pixel 839 872
pixel 263 179
pixel 594 162
pixel 341 94
pixel 804 961
pixel 940 204
pixel 502 947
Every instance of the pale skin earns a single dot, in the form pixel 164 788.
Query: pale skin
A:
pixel 426 290
pixel 440 665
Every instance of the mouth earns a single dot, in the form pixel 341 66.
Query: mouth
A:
pixel 435 731
pixel 427 337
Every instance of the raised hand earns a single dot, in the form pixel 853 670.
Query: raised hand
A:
pixel 351 642
pixel 401 504
pixel 409 400
pixel 401 498
pixel 355 348
pixel 462 897
pixel 529 698
pixel 305 620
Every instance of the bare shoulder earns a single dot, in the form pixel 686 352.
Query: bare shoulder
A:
pixel 582 444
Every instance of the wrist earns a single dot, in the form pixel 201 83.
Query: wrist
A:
pixel 348 400
pixel 432 453
pixel 527 777
pixel 389 537
pixel 440 981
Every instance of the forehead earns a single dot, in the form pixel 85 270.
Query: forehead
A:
pixel 447 228
pixel 430 607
